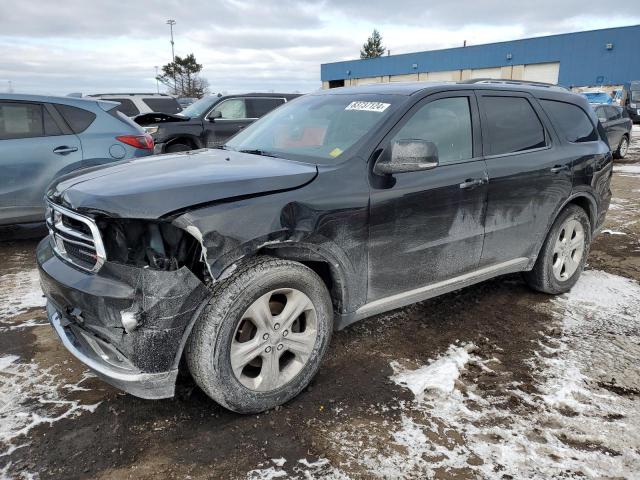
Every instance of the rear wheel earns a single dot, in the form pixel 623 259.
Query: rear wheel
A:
pixel 623 148
pixel 262 337
pixel 563 253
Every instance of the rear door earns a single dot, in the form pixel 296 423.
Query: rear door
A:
pixel 617 125
pixel 234 116
pixel 529 174
pixel 35 145
pixel 427 226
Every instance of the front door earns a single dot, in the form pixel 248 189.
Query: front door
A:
pixel 33 150
pixel 233 117
pixel 427 226
pixel 529 174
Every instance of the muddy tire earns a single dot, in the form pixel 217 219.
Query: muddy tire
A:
pixel 563 254
pixel 622 149
pixel 262 336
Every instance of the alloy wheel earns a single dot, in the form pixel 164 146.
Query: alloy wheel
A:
pixel 624 146
pixel 274 339
pixel 568 249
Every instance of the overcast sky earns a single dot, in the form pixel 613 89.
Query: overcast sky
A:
pixel 262 45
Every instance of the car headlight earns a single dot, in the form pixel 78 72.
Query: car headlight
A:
pixel 151 130
pixel 634 105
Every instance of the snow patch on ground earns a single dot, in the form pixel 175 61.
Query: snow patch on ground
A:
pixel 303 469
pixel 633 169
pixel 31 396
pixel 574 426
pixel 19 292
pixel 613 232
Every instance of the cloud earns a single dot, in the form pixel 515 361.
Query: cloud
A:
pixel 257 45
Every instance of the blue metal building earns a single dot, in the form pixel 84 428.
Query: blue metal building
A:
pixel 599 57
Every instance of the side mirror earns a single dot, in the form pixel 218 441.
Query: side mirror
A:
pixel 214 115
pixel 408 156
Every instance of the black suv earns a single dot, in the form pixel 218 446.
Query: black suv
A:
pixel 339 205
pixel 210 121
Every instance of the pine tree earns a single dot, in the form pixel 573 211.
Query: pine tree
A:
pixel 373 47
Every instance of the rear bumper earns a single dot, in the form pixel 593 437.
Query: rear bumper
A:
pixel 89 312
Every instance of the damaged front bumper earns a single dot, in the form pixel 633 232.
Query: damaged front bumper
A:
pixel 127 324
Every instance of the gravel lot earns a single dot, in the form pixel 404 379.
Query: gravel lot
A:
pixel 494 381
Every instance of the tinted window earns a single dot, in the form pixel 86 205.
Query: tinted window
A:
pixel 512 125
pixel 77 118
pixel 163 104
pixel 445 122
pixel 232 109
pixel 601 113
pixel 613 113
pixel 51 128
pixel 570 121
pixel 20 120
pixel 126 106
pixel 257 107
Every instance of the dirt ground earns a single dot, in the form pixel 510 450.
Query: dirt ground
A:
pixel 494 381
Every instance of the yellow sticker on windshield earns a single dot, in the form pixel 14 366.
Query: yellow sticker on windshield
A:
pixel 335 152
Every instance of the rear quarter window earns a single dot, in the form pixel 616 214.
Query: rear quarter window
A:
pixel 126 106
pixel 163 105
pixel 571 121
pixel 78 119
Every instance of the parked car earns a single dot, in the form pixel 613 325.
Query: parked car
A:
pixel 42 138
pixel 598 97
pixel 186 101
pixel 631 100
pixel 133 104
pixel 210 121
pixel 617 126
pixel 337 206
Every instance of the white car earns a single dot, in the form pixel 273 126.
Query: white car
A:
pixel 133 104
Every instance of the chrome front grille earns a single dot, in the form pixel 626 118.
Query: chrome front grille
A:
pixel 75 238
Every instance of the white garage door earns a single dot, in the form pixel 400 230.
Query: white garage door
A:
pixel 486 72
pixel 542 72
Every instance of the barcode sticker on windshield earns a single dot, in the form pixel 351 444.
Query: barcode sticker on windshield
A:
pixel 368 106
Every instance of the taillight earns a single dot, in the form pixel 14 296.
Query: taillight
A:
pixel 144 142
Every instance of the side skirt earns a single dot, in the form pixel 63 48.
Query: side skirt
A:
pixel 429 291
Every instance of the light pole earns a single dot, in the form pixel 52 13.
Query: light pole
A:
pixel 157 82
pixel 171 22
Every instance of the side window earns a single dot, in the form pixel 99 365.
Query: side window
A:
pixel 51 128
pixel 613 113
pixel 126 106
pixel 445 122
pixel 512 125
pixel 232 109
pixel 20 120
pixel 77 118
pixel 571 121
pixel 257 107
pixel 601 114
pixel 163 104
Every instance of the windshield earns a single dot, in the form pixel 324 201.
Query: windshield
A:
pixel 315 127
pixel 598 97
pixel 198 108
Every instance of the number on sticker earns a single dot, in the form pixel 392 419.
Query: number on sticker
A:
pixel 368 106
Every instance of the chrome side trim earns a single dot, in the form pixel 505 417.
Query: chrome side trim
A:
pixel 433 290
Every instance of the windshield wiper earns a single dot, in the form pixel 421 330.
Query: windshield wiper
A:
pixel 257 151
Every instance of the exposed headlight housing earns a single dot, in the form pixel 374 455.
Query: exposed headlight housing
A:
pixel 151 130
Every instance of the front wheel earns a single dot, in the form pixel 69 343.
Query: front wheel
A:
pixel 563 254
pixel 262 336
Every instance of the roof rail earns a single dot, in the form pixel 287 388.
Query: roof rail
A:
pixel 504 81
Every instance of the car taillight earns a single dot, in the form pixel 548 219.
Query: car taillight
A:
pixel 144 142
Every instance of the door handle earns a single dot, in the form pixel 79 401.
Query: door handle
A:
pixel 65 150
pixel 558 168
pixel 472 183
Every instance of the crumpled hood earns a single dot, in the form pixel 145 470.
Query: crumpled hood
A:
pixel 155 186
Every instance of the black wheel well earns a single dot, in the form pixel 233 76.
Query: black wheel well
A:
pixel 584 203
pixel 329 274
pixel 185 140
